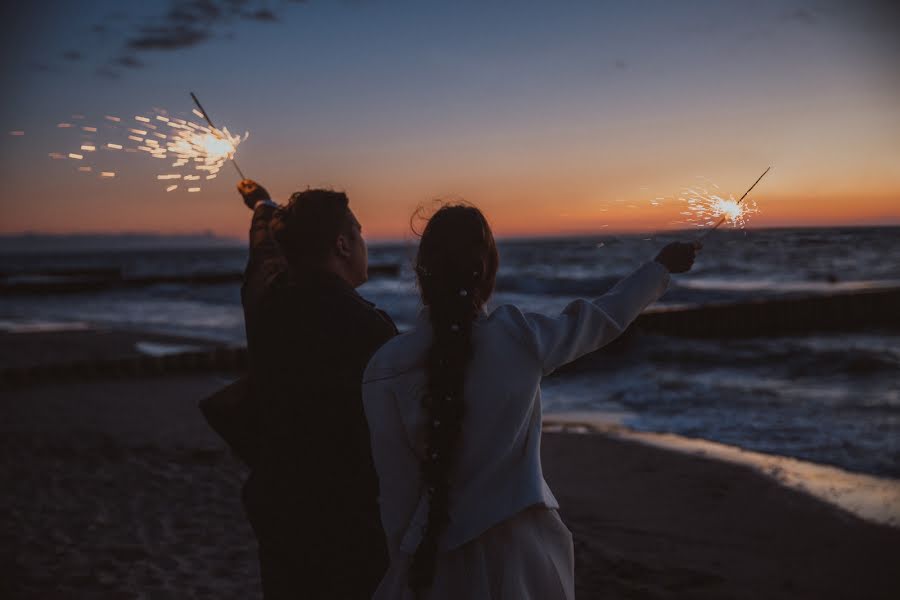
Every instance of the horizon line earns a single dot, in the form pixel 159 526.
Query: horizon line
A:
pixel 379 241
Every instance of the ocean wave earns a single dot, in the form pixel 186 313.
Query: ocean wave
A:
pixel 556 286
pixel 782 286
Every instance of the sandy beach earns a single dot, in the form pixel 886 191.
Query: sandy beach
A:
pixel 118 489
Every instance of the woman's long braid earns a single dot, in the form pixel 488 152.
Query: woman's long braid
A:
pixel 456 267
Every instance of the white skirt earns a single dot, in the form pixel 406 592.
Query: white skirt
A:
pixel 527 557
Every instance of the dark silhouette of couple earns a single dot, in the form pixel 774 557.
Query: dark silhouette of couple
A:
pixel 403 466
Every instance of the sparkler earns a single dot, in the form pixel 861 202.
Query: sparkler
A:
pixel 196 148
pixel 205 115
pixel 716 210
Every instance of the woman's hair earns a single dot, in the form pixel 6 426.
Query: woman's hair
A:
pixel 456 267
pixel 308 225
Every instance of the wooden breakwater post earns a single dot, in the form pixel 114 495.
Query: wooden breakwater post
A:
pixel 877 309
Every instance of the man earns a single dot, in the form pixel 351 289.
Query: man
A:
pixel 312 493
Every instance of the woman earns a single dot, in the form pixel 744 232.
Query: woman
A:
pixel 454 411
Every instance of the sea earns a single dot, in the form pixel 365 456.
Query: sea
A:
pixel 823 396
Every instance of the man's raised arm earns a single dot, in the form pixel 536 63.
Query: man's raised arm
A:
pixel 266 262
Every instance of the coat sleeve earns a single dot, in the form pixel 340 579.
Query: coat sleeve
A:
pixel 393 456
pixel 232 414
pixel 266 262
pixel 584 326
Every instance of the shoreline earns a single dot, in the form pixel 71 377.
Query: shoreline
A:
pixel 119 488
pixel 870 497
pixel 80 352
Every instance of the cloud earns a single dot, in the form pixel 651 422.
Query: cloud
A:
pixel 801 15
pixel 196 12
pixel 72 55
pixel 129 61
pixel 167 38
pixel 181 24
pixel 107 72
pixel 41 67
pixel 186 24
pixel 263 14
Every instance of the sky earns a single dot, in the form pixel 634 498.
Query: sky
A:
pixel 555 118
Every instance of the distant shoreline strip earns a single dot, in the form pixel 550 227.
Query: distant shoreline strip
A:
pixel 856 311
pixel 226 359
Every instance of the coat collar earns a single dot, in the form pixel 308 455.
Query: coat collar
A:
pixel 322 278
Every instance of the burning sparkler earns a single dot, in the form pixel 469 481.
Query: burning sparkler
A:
pixel 708 209
pixel 205 115
pixel 198 149
pixel 730 210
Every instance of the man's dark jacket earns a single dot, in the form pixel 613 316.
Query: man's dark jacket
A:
pixel 312 493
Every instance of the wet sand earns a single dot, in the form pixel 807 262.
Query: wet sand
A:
pixel 39 348
pixel 118 489
pixel 655 523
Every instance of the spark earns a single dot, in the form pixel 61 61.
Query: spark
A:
pixel 171 187
pixel 85 169
pixel 56 156
pixel 17 133
pixel 705 208
pixel 196 150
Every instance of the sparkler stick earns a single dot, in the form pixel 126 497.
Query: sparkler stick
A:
pixel 723 217
pixel 208 120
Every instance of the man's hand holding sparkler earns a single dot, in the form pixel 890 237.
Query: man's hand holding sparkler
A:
pixel 678 257
pixel 253 193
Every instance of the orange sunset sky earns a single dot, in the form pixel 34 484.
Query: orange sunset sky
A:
pixel 553 120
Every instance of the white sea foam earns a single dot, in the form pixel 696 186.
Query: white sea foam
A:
pixel 40 326
pixel 875 499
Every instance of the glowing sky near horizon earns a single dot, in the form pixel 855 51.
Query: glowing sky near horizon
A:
pixel 553 118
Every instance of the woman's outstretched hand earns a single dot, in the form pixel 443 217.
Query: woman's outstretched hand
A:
pixel 252 192
pixel 678 257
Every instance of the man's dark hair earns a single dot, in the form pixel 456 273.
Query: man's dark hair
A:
pixel 308 225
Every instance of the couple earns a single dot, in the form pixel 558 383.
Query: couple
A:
pixel 405 466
